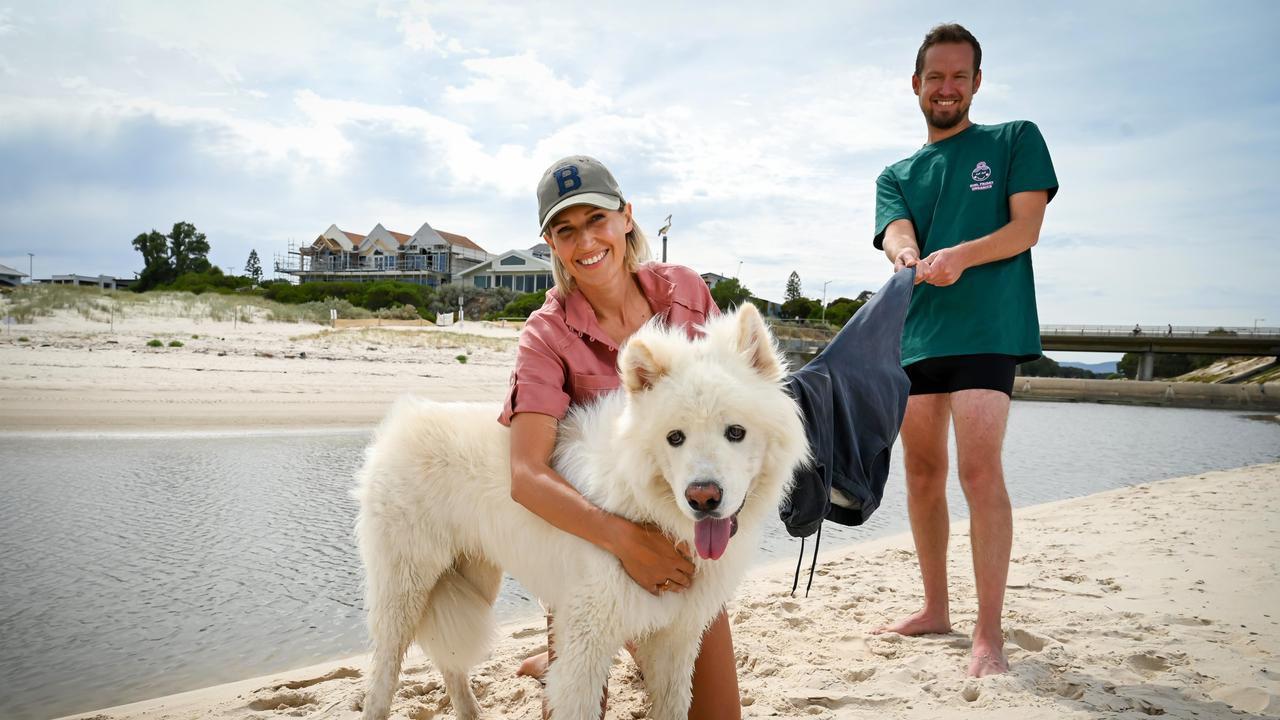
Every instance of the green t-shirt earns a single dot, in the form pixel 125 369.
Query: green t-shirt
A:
pixel 957 190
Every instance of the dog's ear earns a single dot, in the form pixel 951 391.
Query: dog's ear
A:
pixel 756 343
pixel 640 366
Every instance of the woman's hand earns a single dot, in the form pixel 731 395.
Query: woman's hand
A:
pixel 651 559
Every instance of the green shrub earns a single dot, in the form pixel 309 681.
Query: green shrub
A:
pixel 398 312
pixel 23 338
pixel 154 343
pixel 195 337
pixel 213 280
pixel 462 359
pixel 175 343
pixel 524 305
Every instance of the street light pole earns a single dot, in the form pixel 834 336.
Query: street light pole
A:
pixel 31 262
pixel 1255 323
pixel 824 301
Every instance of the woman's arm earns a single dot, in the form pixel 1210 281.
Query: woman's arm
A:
pixel 646 554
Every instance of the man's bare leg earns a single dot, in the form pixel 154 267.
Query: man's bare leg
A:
pixel 980 417
pixel 924 445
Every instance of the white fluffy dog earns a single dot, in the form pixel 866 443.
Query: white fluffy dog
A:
pixel 701 440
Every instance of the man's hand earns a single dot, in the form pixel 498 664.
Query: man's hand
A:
pixel 910 257
pixel 944 267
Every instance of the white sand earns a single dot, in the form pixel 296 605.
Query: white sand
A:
pixel 1157 599
pixel 1161 599
pixel 77 375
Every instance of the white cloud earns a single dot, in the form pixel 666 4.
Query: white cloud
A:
pixel 413 21
pixel 762 131
pixel 522 87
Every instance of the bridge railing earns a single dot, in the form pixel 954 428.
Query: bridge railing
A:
pixel 1159 330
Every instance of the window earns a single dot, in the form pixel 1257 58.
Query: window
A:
pixel 513 260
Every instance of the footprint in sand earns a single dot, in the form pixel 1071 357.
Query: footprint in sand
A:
pixel 1247 699
pixel 418 689
pixel 1027 640
pixel 1149 662
pixel 1070 690
pixel 283 701
pixel 337 674
pixel 859 675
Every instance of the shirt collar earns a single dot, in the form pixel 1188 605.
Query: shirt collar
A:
pixel 581 318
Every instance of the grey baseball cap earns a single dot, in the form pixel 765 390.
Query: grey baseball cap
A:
pixel 576 180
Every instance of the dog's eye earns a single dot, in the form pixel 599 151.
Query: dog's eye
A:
pixel 735 433
pixel 675 438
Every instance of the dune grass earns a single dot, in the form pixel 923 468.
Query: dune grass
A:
pixel 27 303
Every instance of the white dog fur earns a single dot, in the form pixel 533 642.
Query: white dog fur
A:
pixel 437 525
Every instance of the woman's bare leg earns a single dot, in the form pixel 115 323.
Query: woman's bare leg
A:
pixel 715 675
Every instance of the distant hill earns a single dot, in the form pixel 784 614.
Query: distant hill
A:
pixel 1102 368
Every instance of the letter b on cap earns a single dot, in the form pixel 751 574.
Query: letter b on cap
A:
pixel 567 179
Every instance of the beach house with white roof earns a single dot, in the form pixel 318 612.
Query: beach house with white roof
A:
pixel 9 277
pixel 520 270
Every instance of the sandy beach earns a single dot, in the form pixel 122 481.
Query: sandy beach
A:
pixel 73 374
pixel 1158 599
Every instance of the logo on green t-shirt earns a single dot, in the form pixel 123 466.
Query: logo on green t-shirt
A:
pixel 981 177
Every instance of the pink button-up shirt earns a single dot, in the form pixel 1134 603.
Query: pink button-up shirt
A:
pixel 564 357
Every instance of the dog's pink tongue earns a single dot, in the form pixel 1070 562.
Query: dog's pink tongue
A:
pixel 711 537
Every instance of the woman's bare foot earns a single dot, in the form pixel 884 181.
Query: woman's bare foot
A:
pixel 987 658
pixel 534 666
pixel 920 623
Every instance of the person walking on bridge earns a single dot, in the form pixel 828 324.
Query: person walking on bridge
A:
pixel 964 211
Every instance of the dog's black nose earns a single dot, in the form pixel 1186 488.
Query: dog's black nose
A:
pixel 703 496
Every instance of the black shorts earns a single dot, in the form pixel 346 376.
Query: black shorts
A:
pixel 962 372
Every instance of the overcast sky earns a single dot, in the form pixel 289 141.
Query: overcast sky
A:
pixel 760 126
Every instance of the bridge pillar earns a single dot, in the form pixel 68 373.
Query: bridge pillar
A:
pixel 1147 366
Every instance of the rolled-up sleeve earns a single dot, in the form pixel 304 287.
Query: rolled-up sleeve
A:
pixel 538 382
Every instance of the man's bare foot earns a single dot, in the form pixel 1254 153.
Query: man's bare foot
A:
pixel 534 666
pixel 920 623
pixel 987 658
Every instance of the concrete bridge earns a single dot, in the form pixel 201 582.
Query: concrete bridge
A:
pixel 1145 339
pixel 1152 339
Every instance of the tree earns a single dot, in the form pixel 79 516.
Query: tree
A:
pixel 729 293
pixel 253 268
pixel 1166 365
pixel 167 257
pixel 793 287
pixel 156 269
pixel 841 309
pixel 796 307
pixel 188 249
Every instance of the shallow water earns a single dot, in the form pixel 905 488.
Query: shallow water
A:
pixel 138 566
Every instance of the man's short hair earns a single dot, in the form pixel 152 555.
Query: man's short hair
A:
pixel 949 33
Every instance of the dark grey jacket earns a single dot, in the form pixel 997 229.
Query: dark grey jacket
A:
pixel 854 396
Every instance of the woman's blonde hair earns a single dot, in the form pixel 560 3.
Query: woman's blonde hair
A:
pixel 636 255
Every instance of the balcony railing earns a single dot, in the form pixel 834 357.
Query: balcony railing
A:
pixel 304 264
pixel 1158 330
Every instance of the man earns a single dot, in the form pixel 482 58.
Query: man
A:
pixel 964 211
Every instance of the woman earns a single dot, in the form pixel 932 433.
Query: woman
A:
pixel 568 354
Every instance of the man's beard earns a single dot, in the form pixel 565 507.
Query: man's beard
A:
pixel 944 120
